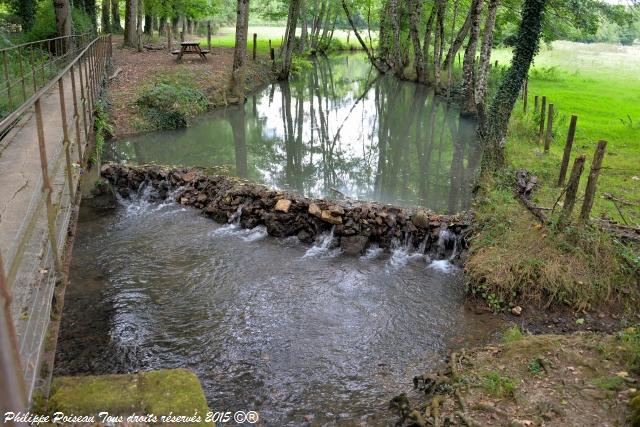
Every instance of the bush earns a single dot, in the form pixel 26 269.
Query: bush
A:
pixel 170 104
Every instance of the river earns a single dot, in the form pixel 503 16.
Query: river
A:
pixel 299 333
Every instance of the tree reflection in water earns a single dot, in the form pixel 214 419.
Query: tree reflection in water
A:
pixel 338 128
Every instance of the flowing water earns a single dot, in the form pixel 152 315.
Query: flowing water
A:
pixel 302 334
pixel 339 128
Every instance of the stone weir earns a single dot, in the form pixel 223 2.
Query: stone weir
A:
pixel 355 225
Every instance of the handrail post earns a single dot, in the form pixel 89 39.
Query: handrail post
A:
pixel 6 76
pixel 47 188
pixel 76 115
pixel 65 132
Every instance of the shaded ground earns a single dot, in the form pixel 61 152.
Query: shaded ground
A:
pixel 583 379
pixel 142 68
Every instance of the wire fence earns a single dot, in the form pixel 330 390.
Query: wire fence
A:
pixel 58 116
pixel 29 66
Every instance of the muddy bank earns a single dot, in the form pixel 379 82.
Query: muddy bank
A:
pixel 355 225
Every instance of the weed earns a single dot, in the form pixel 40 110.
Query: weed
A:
pixel 512 334
pixel 630 344
pixel 535 367
pixel 498 385
pixel 609 383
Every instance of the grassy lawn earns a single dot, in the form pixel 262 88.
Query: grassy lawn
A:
pixel 601 85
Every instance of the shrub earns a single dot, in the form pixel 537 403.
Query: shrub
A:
pixel 171 104
pixel 498 385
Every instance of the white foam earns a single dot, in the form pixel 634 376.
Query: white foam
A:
pixel 322 248
pixel 372 253
pixel 442 266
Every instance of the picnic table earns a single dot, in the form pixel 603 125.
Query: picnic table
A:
pixel 190 48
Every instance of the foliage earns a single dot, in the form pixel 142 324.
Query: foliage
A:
pixel 609 383
pixel 102 129
pixel 629 340
pixel 45 22
pixel 535 367
pixel 171 103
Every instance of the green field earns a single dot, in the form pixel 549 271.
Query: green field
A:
pixel 600 84
pixel 225 37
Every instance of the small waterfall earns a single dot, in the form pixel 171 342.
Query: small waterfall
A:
pixel 255 234
pixel 447 240
pixel 403 253
pixel 237 215
pixel 323 247
pixel 373 252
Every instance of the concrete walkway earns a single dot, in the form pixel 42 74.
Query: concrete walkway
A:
pixel 24 239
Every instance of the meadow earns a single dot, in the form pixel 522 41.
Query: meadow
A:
pixel 600 84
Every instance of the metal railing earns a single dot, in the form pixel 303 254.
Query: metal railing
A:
pixel 62 137
pixel 27 67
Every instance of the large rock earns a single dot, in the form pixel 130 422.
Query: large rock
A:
pixel 283 205
pixel 315 210
pixel 327 216
pixel 353 245
pixel 420 219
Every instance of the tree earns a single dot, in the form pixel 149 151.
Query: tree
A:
pixel 287 52
pixel 104 17
pixel 468 93
pixel 26 10
pixel 115 16
pixel 63 20
pixel 485 56
pixel 494 131
pixel 240 51
pixel 130 14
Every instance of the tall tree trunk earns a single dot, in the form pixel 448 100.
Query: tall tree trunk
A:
pixel 139 27
pixel 457 42
pixel 63 20
pixel 527 44
pixel 317 24
pixel 427 38
pixel 438 42
pixel 468 107
pixel 130 13
pixel 148 24
pixel 415 15
pixel 240 50
pixel 485 57
pixel 162 26
pixel 289 43
pixel 304 35
pixel 104 17
pixel 395 28
pixel 90 9
pixel 383 34
pixel 115 16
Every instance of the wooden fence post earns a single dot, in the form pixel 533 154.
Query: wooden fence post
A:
pixel 273 54
pixel 567 151
pixel 549 134
pixel 209 35
pixel 169 37
pixel 572 190
pixel 255 45
pixel 543 112
pixel 536 102
pixel 590 191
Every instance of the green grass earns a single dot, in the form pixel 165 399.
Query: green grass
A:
pixel 499 385
pixel 512 334
pixel 600 84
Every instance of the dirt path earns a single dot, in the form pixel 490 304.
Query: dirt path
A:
pixel 143 68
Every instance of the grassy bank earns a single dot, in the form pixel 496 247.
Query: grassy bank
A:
pixel 516 260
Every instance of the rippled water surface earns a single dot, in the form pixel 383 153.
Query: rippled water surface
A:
pixel 339 126
pixel 300 333
pixel 296 333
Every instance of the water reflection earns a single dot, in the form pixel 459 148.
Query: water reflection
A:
pixel 337 129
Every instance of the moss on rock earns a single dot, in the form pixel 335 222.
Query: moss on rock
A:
pixel 176 391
